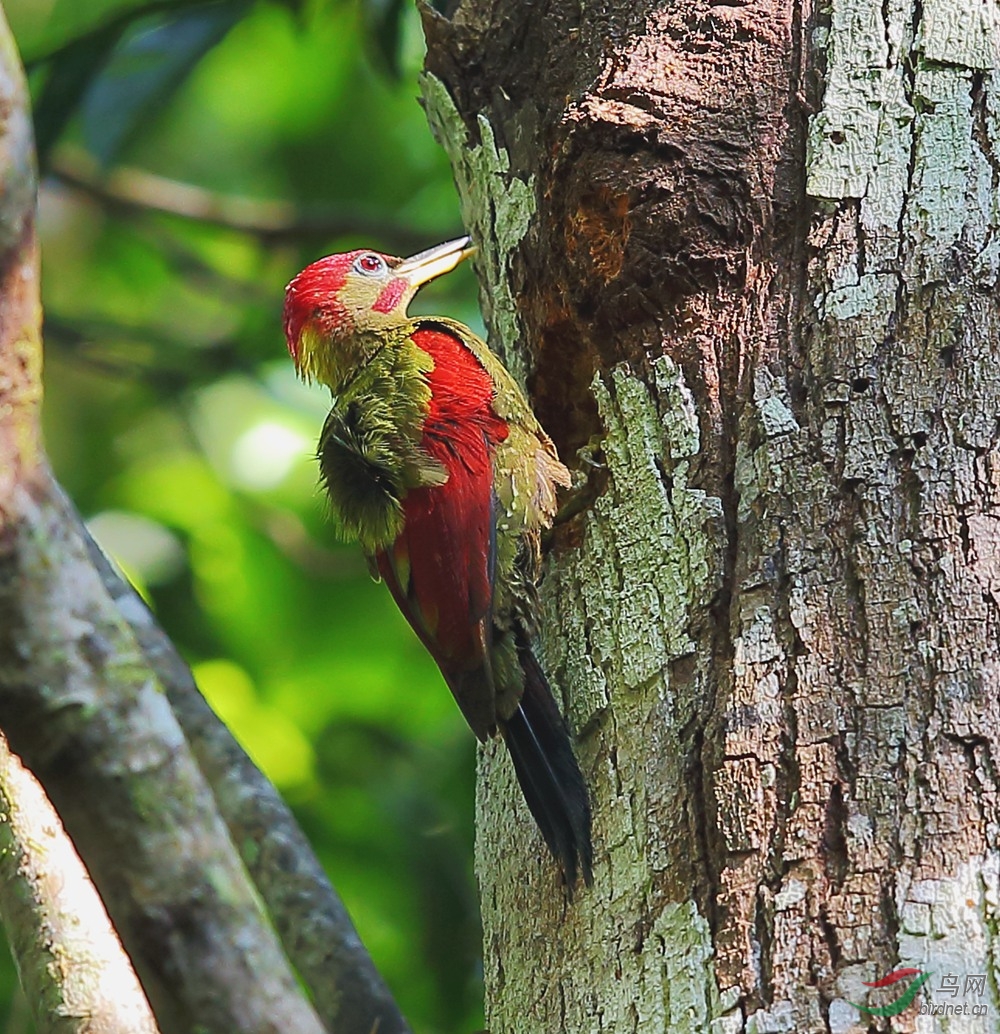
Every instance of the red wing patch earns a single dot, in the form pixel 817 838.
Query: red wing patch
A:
pixel 441 567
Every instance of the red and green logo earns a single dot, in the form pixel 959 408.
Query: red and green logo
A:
pixel 895 1007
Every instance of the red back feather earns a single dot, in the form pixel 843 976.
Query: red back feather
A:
pixel 448 538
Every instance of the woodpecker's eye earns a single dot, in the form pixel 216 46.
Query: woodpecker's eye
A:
pixel 370 264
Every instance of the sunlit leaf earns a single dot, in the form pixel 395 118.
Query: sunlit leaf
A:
pixel 141 546
pixel 274 742
pixel 43 27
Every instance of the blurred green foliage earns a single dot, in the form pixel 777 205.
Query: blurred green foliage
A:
pixel 174 419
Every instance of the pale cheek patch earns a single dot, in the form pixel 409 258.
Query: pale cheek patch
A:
pixel 391 295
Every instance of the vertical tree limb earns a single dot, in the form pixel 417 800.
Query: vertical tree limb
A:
pixel 76 977
pixel 80 705
pixel 85 680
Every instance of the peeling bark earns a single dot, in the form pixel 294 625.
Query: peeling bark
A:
pixel 747 257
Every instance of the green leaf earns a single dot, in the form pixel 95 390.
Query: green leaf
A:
pixel 66 82
pixel 153 59
pixel 383 22
pixel 44 33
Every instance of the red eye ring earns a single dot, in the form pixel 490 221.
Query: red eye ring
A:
pixel 370 264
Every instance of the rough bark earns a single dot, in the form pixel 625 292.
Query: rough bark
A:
pixel 745 257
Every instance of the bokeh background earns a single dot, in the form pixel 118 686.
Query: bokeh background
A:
pixel 194 156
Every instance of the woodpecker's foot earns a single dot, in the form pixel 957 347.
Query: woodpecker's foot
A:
pixel 589 481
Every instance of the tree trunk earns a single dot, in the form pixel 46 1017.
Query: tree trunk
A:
pixel 745 258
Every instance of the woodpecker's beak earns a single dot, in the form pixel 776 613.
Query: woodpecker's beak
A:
pixel 433 262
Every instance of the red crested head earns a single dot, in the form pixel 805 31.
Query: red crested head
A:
pixel 358 293
pixel 312 298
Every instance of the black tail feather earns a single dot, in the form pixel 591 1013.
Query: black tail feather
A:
pixel 539 743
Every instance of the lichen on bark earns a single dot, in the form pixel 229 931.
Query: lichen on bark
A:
pixel 496 209
pixel 71 966
pixel 614 617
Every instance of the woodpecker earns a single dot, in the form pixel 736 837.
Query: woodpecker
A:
pixel 434 461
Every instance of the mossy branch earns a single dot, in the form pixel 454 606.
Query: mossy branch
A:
pixel 314 927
